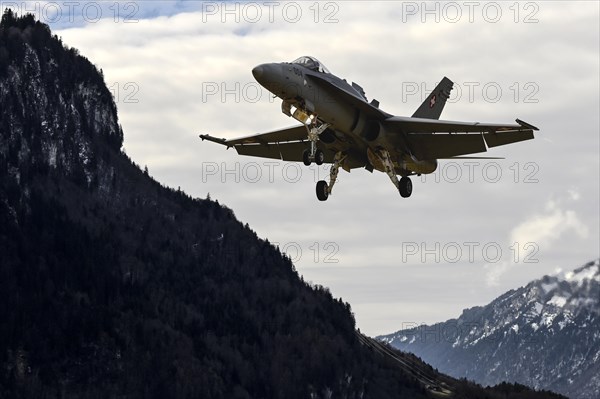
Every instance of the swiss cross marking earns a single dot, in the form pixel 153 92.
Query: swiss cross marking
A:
pixel 432 101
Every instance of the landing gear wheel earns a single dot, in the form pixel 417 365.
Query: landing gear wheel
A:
pixel 319 157
pixel 306 157
pixel 322 190
pixel 405 187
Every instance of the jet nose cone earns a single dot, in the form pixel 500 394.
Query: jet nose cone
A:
pixel 268 76
pixel 258 72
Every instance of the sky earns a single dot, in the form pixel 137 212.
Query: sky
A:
pixel 469 232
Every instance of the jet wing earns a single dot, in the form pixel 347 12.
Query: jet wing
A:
pixel 285 144
pixel 291 152
pixel 433 139
pixel 422 125
pixel 296 133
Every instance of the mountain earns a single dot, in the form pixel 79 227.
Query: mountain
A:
pixel 114 286
pixel 545 335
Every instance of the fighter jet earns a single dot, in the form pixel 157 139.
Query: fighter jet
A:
pixel 338 125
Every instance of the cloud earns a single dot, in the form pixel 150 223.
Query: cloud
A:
pixel 540 231
pixel 545 228
pixel 66 14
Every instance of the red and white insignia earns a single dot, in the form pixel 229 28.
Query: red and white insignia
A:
pixel 432 101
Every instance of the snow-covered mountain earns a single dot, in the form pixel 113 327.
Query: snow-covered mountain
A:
pixel 545 335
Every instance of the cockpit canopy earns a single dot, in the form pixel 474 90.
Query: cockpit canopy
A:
pixel 311 63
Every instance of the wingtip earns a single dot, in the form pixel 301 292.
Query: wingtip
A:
pixel 526 125
pixel 213 139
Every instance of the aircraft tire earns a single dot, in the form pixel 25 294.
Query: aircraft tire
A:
pixel 319 157
pixel 306 157
pixel 405 187
pixel 322 190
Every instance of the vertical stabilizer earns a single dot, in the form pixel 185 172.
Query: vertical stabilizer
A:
pixel 434 103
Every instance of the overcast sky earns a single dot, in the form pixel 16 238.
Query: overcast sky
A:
pixel 469 232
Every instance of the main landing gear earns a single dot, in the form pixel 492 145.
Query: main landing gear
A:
pixel 315 154
pixel 404 185
pixel 324 189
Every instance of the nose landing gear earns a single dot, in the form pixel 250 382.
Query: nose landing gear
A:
pixel 313 153
pixel 318 157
